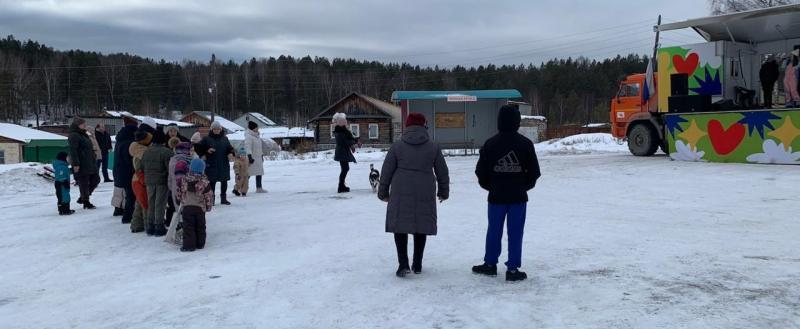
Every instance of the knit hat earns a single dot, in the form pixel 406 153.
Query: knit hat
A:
pixel 339 119
pixel 150 122
pixel 172 127
pixel 252 125
pixel 216 125
pixel 61 156
pixel 173 142
pixel 508 118
pixel 143 138
pixel 197 166
pixel 181 167
pixel 196 138
pixel 416 119
pixel 159 137
pixel 241 151
pixel 182 146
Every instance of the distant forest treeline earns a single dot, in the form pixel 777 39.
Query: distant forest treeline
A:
pixel 287 89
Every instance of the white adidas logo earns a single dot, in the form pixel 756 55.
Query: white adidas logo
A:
pixel 508 164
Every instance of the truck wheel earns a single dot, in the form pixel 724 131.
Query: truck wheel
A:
pixel 643 140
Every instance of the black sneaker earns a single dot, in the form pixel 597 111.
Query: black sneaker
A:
pixel 402 271
pixel 118 212
pixel 515 275
pixel 88 205
pixel 236 193
pixel 417 268
pixel 184 249
pixel 225 202
pixel 485 269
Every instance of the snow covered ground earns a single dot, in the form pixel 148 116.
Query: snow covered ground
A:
pixel 612 241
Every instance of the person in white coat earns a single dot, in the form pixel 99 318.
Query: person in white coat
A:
pixel 255 148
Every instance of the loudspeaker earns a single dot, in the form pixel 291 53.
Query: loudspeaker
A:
pixel 690 103
pixel 680 84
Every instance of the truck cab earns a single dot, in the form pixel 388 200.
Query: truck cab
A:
pixel 634 118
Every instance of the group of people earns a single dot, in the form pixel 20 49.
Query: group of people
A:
pixel 415 174
pixel 770 72
pixel 159 173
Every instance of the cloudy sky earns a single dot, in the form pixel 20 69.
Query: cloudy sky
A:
pixel 443 32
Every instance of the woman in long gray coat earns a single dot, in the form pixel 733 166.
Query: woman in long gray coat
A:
pixel 414 175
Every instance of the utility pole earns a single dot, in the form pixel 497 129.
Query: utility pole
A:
pixel 213 89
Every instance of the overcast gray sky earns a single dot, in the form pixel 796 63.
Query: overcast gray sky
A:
pixel 446 32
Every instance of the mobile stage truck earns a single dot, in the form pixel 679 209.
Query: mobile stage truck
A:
pixel 704 102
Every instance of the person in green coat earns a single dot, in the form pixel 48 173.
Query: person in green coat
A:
pixel 155 164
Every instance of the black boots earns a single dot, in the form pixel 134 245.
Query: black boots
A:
pixel 343 189
pixel 86 204
pixel 402 270
pixel 491 270
pixel 118 211
pixel 485 269
pixel 160 230
pixel 401 242
pixel 224 200
pixel 151 230
pixel 236 193
pixel 63 210
pixel 515 275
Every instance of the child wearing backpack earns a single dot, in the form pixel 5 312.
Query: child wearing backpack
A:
pixel 196 196
pixel 62 173
pixel 241 169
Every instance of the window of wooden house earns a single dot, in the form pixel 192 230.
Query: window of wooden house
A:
pixel 373 131
pixel 354 128
pixel 2 156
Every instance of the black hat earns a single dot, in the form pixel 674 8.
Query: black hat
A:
pixel 142 137
pixel 61 156
pixel 508 118
pixel 159 137
pixel 251 125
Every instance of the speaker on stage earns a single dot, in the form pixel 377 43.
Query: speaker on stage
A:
pixel 680 84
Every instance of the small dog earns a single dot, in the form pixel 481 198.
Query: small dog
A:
pixel 374 178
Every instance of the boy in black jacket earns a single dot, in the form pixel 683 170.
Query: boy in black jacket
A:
pixel 508 169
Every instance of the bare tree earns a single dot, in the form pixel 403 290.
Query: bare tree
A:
pixel 719 7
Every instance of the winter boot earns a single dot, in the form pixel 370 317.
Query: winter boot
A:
pixel 138 230
pixel 184 249
pixel 88 205
pixel 118 212
pixel 60 209
pixel 151 230
pixel 159 230
pixel 261 190
pixel 126 221
pixel 515 275
pixel 485 269
pixel 66 210
pixel 80 200
pixel 244 195
pixel 236 193
pixel 402 271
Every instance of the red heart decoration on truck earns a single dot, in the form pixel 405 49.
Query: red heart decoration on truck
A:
pixel 725 141
pixel 686 66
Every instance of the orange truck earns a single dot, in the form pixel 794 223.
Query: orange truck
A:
pixel 717 118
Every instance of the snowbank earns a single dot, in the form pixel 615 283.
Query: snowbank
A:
pixel 22 178
pixel 582 144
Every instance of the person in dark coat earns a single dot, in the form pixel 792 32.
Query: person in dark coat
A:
pixel 218 166
pixel 84 161
pixel 768 75
pixel 104 142
pixel 173 132
pixel 414 174
pixel 345 146
pixel 200 149
pixel 508 169
pixel 123 167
